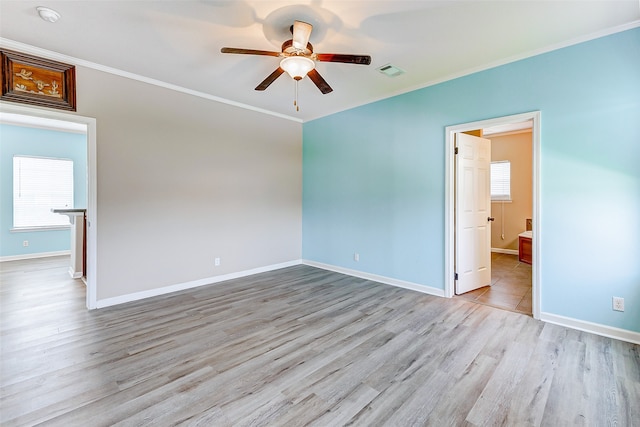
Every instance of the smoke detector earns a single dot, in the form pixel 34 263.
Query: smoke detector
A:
pixel 390 70
pixel 47 14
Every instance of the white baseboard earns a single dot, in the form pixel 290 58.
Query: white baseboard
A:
pixel 382 279
pixel 594 328
pixel 74 274
pixel 107 302
pixel 505 251
pixel 33 256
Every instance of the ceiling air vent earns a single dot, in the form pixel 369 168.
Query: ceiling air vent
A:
pixel 391 70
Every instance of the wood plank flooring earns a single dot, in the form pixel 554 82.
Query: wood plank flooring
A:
pixel 293 347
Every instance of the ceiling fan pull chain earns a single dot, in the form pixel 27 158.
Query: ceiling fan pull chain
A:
pixel 295 101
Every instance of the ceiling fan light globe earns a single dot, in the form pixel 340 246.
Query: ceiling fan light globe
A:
pixel 297 66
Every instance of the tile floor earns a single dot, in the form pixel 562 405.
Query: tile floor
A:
pixel 510 285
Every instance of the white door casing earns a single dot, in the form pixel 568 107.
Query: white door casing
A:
pixel 473 213
pixel 92 185
pixel 449 208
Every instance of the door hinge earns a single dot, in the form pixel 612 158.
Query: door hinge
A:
pixel 455 151
pixel 455 277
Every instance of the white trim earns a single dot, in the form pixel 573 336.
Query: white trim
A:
pixel 75 274
pixel 376 278
pixel 44 53
pixel 495 64
pixel 33 50
pixel 92 184
pixel 513 132
pixel 536 258
pixel 594 328
pixel 40 123
pixel 33 256
pixel 449 181
pixel 37 229
pixel 505 251
pixel 122 299
pixel 92 215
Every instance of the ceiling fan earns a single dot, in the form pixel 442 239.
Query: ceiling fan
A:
pixel 298 58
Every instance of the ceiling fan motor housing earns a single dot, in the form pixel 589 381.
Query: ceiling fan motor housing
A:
pixel 287 48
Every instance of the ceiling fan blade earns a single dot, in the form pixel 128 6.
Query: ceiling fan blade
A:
pixel 249 51
pixel 272 77
pixel 301 34
pixel 319 81
pixel 348 59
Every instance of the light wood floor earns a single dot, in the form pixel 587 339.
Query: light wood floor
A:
pixel 297 346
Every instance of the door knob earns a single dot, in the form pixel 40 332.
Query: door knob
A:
pixel 491 218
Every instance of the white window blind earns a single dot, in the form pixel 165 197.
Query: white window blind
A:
pixel 39 185
pixel 501 180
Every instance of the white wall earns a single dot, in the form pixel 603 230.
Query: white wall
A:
pixel 182 180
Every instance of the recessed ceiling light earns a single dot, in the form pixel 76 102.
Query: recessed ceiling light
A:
pixel 47 14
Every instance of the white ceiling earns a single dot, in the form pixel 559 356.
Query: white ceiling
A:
pixel 178 42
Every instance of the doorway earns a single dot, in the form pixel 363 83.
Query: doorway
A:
pixel 450 212
pixel 33 114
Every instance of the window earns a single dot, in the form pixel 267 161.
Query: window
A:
pixel 501 180
pixel 39 185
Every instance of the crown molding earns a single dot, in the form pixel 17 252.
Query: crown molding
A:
pixel 48 54
pixel 498 63
pixel 33 50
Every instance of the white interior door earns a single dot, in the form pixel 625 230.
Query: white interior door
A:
pixel 473 213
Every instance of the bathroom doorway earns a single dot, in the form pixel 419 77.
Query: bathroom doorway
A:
pixel 511 219
pixel 510 277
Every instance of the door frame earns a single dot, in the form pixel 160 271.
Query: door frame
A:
pixel 92 185
pixel 450 186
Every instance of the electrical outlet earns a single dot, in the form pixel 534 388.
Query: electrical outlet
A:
pixel 356 256
pixel 25 243
pixel 217 262
pixel 618 304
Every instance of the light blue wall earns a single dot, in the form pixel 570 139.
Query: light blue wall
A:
pixel 374 176
pixel 16 140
